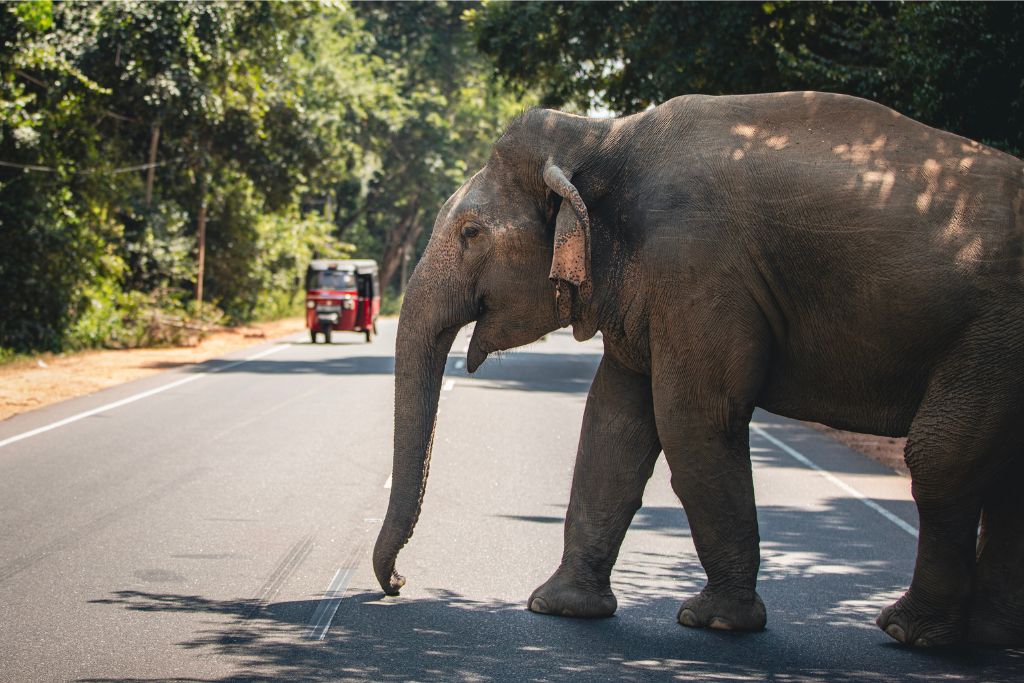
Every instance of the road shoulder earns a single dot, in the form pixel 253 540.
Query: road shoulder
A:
pixel 51 378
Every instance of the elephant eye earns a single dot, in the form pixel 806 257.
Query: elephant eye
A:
pixel 470 231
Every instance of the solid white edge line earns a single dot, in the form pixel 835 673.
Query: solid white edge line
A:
pixel 803 460
pixel 136 397
pixel 449 385
pixel 387 484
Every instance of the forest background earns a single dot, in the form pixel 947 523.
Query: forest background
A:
pixel 285 131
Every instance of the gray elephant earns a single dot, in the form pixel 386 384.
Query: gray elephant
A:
pixel 817 255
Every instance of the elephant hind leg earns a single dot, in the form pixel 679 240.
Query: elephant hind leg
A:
pixel 965 436
pixel 997 612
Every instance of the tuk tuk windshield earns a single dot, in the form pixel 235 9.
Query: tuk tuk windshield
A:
pixel 330 279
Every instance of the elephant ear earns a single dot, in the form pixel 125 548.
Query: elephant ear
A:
pixel 570 262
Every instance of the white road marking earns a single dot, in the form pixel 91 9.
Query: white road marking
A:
pixel 803 460
pixel 136 397
pixel 459 364
pixel 320 623
pixel 387 484
pixel 449 385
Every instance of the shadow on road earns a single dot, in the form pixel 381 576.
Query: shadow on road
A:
pixel 520 371
pixel 821 600
pixel 450 637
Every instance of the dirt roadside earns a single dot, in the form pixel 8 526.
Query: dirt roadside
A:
pixel 36 382
pixel 49 378
pixel 884 449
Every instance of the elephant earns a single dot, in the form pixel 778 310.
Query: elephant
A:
pixel 817 255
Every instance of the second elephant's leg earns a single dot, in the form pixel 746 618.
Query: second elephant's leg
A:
pixel 964 441
pixel 997 610
pixel 617 452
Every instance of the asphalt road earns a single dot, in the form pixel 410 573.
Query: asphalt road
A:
pixel 215 523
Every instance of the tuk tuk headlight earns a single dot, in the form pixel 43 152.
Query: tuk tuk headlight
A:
pixel 310 304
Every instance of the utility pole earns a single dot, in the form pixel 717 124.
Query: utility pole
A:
pixel 202 255
pixel 151 171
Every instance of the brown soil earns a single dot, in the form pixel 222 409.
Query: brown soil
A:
pixel 884 449
pixel 36 382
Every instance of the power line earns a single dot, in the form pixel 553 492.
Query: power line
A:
pixel 91 171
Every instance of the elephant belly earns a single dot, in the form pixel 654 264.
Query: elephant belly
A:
pixel 852 386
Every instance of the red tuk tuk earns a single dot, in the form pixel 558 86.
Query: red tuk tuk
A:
pixel 342 295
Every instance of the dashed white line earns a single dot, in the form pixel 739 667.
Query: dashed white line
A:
pixel 803 460
pixel 136 397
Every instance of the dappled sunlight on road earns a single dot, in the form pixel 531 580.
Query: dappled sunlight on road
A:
pixel 448 636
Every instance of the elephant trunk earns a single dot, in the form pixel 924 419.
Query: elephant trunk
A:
pixel 424 339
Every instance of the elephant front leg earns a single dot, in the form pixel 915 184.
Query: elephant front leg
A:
pixel 711 474
pixel 617 452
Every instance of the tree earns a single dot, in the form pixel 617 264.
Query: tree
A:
pixel 136 137
pixel 958 66
pixel 455 112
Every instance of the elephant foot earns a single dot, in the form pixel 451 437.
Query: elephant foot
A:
pixel 562 596
pixel 905 622
pixel 994 623
pixel 722 611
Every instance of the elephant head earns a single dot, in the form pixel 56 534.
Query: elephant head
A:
pixel 509 250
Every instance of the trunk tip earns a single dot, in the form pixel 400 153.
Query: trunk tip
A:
pixel 393 584
pixel 384 569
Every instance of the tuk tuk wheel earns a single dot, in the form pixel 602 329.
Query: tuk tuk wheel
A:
pixel 327 335
pixel 375 327
pixel 312 336
pixel 369 335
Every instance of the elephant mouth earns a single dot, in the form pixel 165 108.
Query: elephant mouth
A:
pixel 476 354
pixel 478 349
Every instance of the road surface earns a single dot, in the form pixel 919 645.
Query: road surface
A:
pixel 215 523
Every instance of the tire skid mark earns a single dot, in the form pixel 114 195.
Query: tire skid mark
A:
pixel 80 533
pixel 239 632
pixel 295 556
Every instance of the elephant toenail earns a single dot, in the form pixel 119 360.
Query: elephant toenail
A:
pixel 688 618
pixel 539 605
pixel 896 632
pixel 923 642
pixel 720 624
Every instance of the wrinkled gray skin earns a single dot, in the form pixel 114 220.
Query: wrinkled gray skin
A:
pixel 817 255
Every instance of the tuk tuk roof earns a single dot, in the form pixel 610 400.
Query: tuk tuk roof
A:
pixel 361 266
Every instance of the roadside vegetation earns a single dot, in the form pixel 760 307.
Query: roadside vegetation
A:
pixel 138 139
pixel 281 131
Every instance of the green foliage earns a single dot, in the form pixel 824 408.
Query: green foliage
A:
pixel 453 112
pixel 958 66
pixel 294 125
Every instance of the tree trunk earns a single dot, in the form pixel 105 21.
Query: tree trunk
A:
pixel 201 260
pixel 400 241
pixel 154 139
